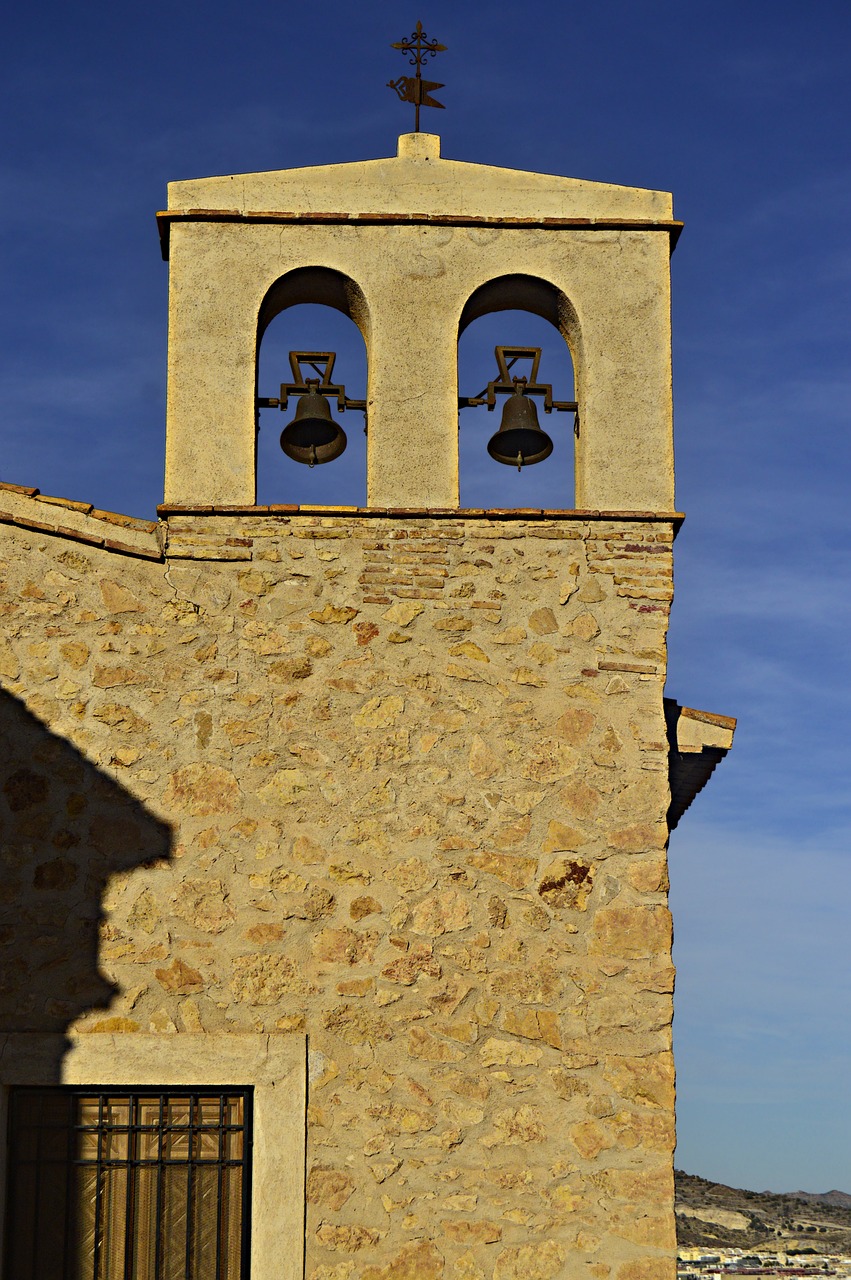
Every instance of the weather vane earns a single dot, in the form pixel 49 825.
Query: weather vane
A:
pixel 413 88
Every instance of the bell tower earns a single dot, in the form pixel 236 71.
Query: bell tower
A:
pixel 362 811
pixel 489 756
pixel 414 248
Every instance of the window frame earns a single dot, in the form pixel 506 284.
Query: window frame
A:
pixel 273 1066
pixel 132 1134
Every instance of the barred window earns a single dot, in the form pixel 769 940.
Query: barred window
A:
pixel 128 1184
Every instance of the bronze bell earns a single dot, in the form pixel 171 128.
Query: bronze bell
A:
pixel 313 436
pixel 520 441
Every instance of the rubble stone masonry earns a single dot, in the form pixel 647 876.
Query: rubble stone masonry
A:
pixel 396 783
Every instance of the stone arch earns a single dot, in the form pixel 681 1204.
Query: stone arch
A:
pixel 314 287
pixel 525 293
pixel 321 285
pixel 538 297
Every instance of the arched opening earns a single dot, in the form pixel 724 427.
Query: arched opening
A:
pixel 312 310
pixel 517 311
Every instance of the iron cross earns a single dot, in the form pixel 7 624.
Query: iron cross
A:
pixel 413 88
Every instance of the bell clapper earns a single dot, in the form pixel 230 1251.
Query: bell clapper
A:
pixel 519 461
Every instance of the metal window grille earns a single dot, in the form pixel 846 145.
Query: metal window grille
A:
pixel 128 1184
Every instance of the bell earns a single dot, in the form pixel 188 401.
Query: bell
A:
pixel 313 435
pixel 519 440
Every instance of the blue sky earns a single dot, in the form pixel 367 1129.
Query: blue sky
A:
pixel 741 109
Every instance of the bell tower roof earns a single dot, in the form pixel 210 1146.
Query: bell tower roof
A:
pixel 418 181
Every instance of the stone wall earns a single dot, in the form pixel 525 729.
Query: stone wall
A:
pixel 396 783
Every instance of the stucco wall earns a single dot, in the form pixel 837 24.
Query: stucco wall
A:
pixel 397 783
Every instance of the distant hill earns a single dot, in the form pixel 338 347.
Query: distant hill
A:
pixel 840 1198
pixel 713 1216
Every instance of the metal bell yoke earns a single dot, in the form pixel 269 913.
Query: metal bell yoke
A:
pixel 520 440
pixel 312 437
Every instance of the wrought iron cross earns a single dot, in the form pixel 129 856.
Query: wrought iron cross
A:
pixel 413 88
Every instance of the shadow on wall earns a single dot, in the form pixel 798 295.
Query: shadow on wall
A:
pixel 65 829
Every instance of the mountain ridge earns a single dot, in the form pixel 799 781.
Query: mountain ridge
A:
pixel 841 1198
pixel 712 1215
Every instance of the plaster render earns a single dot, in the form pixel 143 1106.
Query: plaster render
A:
pixel 418 180
pixel 415 279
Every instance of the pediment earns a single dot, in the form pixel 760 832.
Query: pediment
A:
pixel 418 180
